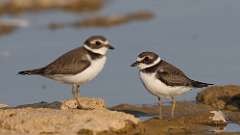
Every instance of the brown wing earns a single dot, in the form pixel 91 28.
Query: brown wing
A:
pixel 72 62
pixel 172 76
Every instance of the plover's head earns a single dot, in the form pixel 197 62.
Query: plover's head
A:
pixel 146 60
pixel 97 44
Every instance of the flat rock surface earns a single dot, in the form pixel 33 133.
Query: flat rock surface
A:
pixel 49 118
pixel 46 118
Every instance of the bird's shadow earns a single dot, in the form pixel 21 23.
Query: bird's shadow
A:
pixel 234 101
pixel 42 104
pixel 134 112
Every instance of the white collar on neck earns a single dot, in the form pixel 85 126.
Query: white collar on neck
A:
pixel 144 66
pixel 102 50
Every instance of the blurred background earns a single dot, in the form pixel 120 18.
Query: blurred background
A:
pixel 199 36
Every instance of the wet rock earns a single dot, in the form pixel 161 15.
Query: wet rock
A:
pixel 182 109
pixel 7 26
pixel 187 112
pixel 166 127
pixel 20 6
pixel 191 118
pixel 35 120
pixel 6 29
pixel 221 97
pixel 233 116
pixel 163 127
pixel 105 21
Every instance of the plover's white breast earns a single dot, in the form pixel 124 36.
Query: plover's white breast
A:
pixel 88 74
pixel 158 88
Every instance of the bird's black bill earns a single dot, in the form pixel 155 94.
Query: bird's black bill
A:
pixel 134 64
pixel 110 47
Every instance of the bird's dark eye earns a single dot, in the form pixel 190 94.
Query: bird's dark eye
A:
pixel 147 60
pixel 98 43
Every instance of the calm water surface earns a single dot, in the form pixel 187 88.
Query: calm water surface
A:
pixel 200 37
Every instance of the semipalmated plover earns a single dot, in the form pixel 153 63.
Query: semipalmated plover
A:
pixel 77 66
pixel 162 79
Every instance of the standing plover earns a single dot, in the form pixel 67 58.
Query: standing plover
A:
pixel 77 66
pixel 162 79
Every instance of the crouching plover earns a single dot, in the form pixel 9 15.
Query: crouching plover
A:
pixel 77 66
pixel 162 79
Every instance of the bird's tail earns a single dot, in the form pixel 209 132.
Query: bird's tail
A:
pixel 31 72
pixel 198 84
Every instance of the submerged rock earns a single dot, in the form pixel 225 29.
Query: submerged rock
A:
pixel 8 26
pixel 221 97
pixel 6 29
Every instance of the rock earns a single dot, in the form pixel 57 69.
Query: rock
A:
pixel 218 118
pixel 233 104
pixel 189 112
pixel 220 96
pixel 47 118
pixel 15 22
pixel 3 106
pixel 233 116
pixel 36 121
pixel 6 29
pixel 8 26
pixel 20 6
pixel 85 103
pixel 163 127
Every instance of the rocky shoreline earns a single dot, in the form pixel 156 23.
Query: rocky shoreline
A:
pixel 15 7
pixel 61 118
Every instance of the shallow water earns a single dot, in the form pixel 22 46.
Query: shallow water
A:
pixel 200 37
pixel 232 127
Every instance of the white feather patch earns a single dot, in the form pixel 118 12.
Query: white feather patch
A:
pixel 158 88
